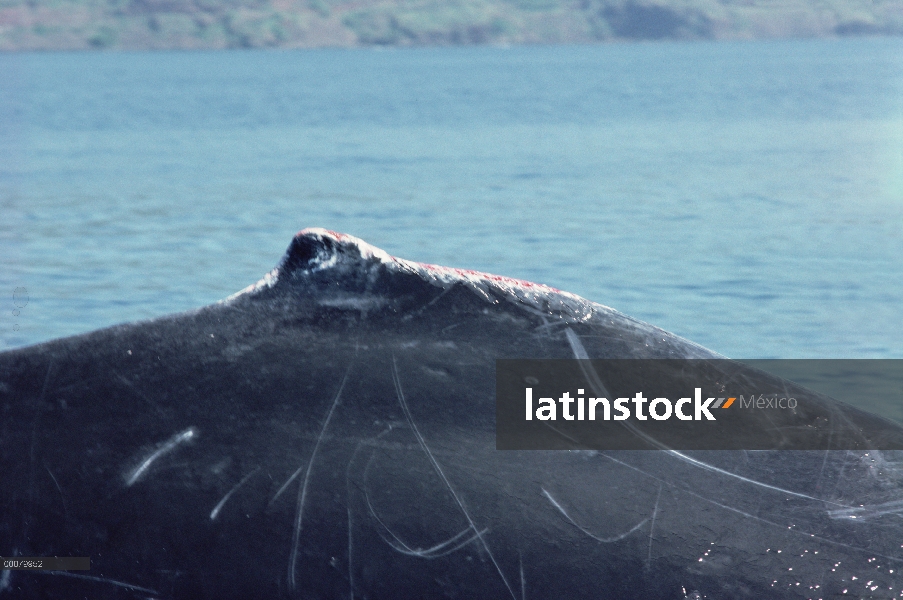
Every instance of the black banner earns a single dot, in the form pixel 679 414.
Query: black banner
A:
pixel 680 404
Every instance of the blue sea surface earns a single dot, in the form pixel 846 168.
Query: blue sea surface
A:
pixel 747 196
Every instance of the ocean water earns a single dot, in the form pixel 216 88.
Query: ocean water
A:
pixel 747 196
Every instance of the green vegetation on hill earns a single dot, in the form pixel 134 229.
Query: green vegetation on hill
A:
pixel 165 24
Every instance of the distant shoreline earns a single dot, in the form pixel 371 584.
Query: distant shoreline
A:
pixel 222 24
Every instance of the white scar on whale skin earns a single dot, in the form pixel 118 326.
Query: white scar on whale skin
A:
pixel 479 534
pixel 609 540
pixel 121 584
pixel 222 503
pixel 596 385
pixel 168 446
pixel 302 492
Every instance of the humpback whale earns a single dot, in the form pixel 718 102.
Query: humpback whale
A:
pixel 329 432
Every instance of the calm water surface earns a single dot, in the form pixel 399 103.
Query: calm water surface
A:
pixel 748 196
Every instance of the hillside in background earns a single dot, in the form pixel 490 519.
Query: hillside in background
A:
pixel 171 24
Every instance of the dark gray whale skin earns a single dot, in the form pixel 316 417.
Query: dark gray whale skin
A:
pixel 329 433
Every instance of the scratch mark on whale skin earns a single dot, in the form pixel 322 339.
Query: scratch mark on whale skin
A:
pixel 219 506
pixel 860 514
pixel 523 580
pixel 350 556
pixel 595 383
pixel 796 531
pixel 62 496
pixel 302 492
pixel 168 446
pixel 610 540
pixel 122 584
pixel 652 526
pixel 441 549
pixel 780 490
pixel 479 535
